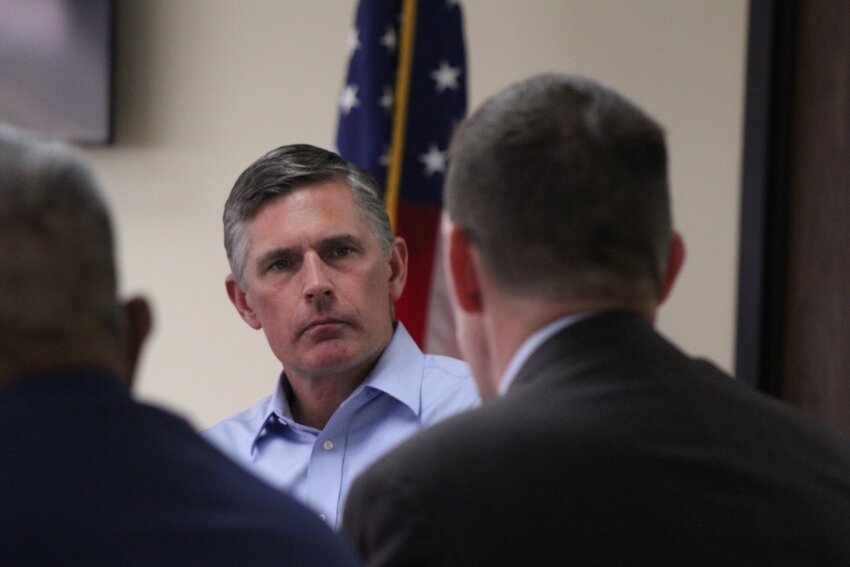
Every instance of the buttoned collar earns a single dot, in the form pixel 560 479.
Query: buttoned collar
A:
pixel 398 374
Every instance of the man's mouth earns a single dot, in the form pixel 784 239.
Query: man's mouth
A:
pixel 323 323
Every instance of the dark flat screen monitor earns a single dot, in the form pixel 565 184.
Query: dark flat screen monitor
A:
pixel 56 67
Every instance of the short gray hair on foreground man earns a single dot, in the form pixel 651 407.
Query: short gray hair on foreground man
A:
pixel 562 184
pixel 282 171
pixel 57 276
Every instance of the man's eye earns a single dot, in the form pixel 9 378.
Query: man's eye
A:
pixel 341 251
pixel 280 265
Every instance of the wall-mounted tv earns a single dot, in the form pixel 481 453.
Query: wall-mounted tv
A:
pixel 56 67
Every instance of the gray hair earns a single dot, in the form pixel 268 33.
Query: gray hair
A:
pixel 57 275
pixel 282 171
pixel 562 185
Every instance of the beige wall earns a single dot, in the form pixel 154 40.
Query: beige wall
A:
pixel 206 86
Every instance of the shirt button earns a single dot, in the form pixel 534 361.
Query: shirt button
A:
pixel 328 445
pixel 323 517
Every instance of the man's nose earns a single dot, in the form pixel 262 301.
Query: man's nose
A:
pixel 316 281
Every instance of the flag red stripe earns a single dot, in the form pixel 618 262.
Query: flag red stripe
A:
pixel 417 224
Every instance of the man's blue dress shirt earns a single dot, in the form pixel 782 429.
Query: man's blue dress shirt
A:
pixel 406 391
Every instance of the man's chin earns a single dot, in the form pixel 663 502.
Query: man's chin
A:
pixel 330 356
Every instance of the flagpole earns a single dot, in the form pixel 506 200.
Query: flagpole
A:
pixel 402 90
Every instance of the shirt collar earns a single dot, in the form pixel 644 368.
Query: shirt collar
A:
pixel 532 343
pixel 397 373
pixel 280 399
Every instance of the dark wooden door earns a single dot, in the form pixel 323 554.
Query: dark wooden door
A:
pixel 794 292
pixel 817 305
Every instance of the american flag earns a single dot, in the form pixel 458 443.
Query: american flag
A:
pixel 404 93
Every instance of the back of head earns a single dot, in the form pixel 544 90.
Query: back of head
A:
pixel 58 303
pixel 561 184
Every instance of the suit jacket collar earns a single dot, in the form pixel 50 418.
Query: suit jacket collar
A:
pixel 603 335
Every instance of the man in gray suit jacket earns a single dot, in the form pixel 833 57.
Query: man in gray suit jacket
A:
pixel 601 442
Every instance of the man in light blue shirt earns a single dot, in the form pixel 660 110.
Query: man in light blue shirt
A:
pixel 316 267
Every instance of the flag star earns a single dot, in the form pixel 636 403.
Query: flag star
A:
pixel 434 160
pixel 384 158
pixel 386 100
pixel 446 76
pixel 353 41
pixel 348 99
pixel 389 39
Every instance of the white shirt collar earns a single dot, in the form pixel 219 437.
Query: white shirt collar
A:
pixel 532 343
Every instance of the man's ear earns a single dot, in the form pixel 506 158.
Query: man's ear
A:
pixel 138 321
pixel 398 268
pixel 675 260
pixel 239 299
pixel 464 272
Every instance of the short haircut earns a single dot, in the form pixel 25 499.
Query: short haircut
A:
pixel 561 184
pixel 282 171
pixel 57 272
